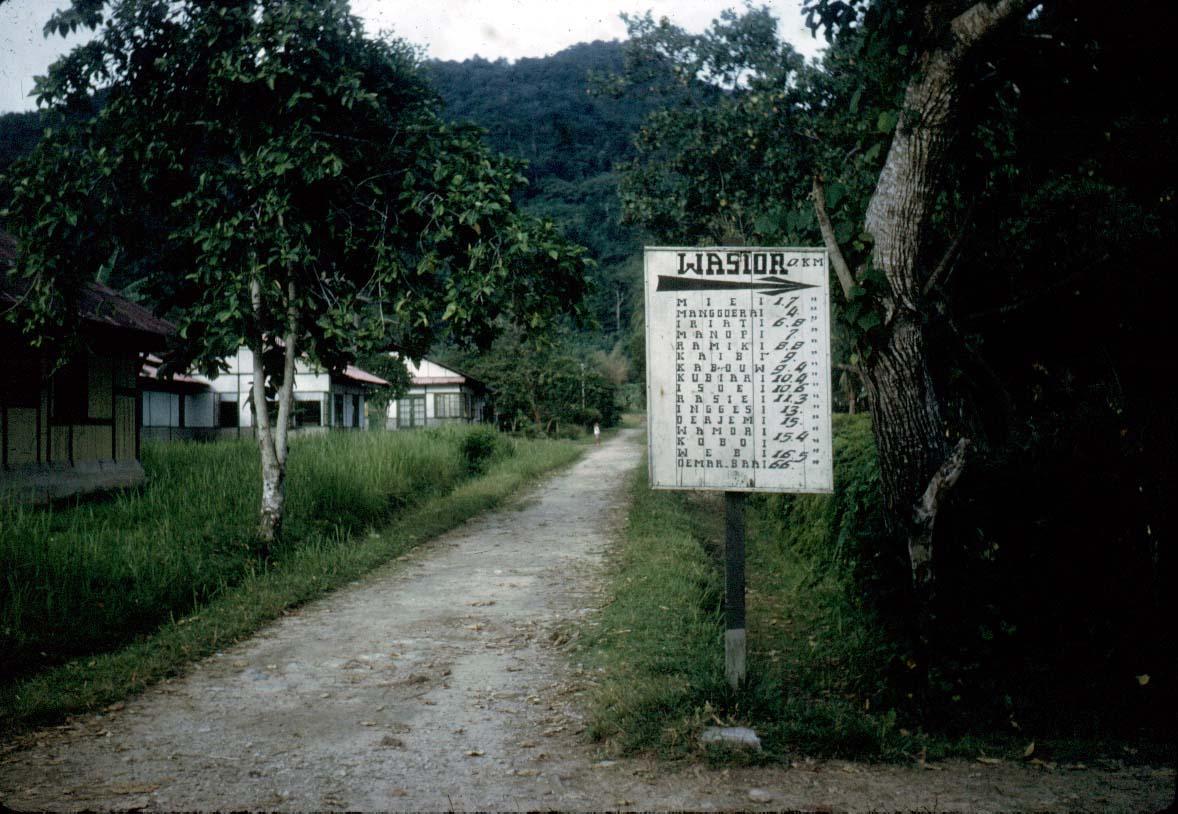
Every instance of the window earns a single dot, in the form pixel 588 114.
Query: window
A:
pixel 355 411
pixel 308 413
pixel 228 414
pixel 451 405
pixel 338 402
pixel 161 409
pixel 411 412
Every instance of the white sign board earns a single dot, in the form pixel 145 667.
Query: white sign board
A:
pixel 738 369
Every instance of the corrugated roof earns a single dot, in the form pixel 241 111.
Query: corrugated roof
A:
pixel 150 370
pixel 427 380
pixel 363 376
pixel 459 377
pixel 97 304
pixel 105 306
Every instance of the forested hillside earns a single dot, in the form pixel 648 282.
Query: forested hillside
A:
pixel 548 112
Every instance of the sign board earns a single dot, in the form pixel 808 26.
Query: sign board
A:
pixel 738 369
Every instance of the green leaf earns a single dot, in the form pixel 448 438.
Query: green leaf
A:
pixel 869 320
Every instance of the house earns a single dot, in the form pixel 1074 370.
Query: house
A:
pixel 437 395
pixel 74 429
pixel 194 406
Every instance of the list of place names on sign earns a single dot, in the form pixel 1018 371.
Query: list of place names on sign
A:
pixel 738 369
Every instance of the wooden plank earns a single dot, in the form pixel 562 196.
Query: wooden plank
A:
pixel 20 442
pixel 99 384
pixel 125 428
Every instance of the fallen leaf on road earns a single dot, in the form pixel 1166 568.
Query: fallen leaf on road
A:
pixel 475 753
pixel 990 761
pixel 1030 750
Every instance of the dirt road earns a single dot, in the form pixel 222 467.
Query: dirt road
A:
pixel 435 683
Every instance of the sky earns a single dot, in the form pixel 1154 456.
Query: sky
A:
pixel 447 29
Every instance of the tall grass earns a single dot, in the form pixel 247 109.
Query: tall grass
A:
pixel 818 664
pixel 95 575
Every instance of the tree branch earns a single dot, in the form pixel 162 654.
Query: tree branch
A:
pixel 950 255
pixel 979 20
pixel 851 369
pixel 941 483
pixel 841 269
pixel 920 541
pixel 257 345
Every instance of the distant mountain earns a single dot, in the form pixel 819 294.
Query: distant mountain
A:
pixel 543 110
pixel 547 112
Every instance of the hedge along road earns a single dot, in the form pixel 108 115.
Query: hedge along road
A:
pixel 436 683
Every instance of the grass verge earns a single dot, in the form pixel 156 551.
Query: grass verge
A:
pixel 825 679
pixel 325 558
pixel 816 660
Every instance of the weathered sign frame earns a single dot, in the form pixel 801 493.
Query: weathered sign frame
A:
pixel 738 387
pixel 763 323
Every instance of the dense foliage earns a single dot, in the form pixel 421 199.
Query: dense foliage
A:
pixel 284 183
pixel 557 114
pixel 544 387
pixel 1045 319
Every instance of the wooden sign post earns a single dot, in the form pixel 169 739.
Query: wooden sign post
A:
pixel 738 385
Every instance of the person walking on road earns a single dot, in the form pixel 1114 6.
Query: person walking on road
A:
pixel 596 433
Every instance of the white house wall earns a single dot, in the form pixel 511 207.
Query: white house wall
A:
pixel 428 392
pixel 200 410
pixel 161 409
pixel 235 384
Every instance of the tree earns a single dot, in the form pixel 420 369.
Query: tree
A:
pixel 918 465
pixel 1045 206
pixel 285 184
pixel 546 383
pixel 765 86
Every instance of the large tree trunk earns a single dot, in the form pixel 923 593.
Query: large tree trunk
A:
pixel 273 471
pixel 918 465
pixel 909 427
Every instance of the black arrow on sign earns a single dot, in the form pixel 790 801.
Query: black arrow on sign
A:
pixel 768 285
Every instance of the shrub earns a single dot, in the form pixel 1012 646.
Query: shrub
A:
pixel 482 446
